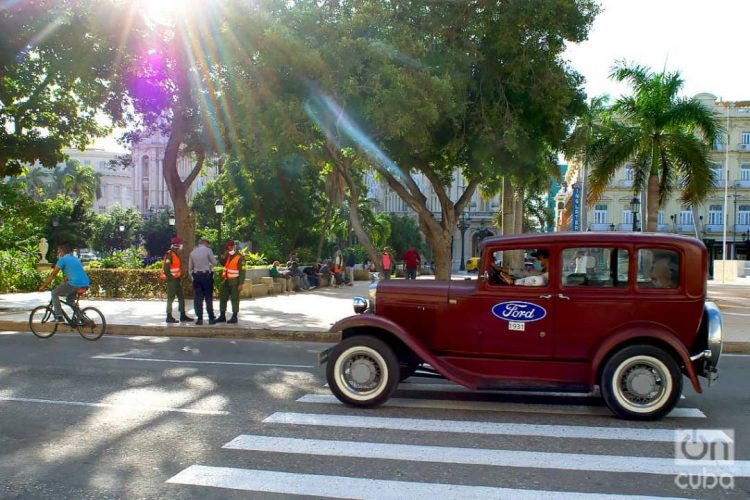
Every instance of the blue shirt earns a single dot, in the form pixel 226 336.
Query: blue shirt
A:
pixel 73 270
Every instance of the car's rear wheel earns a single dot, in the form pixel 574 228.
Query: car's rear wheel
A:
pixel 641 382
pixel 362 371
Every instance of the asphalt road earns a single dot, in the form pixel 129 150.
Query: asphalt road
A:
pixel 148 417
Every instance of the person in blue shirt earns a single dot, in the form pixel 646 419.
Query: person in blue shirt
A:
pixel 75 278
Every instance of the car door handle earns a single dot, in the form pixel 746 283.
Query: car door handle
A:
pixel 545 296
pixel 561 296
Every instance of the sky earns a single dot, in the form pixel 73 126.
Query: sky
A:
pixel 702 39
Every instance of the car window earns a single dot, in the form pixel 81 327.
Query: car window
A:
pixel 519 267
pixel 658 268
pixel 594 267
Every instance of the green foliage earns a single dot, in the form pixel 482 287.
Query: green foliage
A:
pixel 130 258
pixel 17 272
pixel 254 259
pixel 21 219
pixel 131 283
pixel 157 234
pixel 404 234
pixel 106 234
pixel 56 63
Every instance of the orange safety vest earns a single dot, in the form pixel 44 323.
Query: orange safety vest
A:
pixel 174 268
pixel 231 267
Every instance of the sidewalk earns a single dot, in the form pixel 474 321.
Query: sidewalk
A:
pixel 305 315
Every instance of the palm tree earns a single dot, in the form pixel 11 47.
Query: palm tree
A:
pixel 667 138
pixel 578 145
pixel 81 182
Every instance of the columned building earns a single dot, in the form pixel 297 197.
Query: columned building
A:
pixel 150 192
pixel 115 181
pixel 615 210
pixel 474 224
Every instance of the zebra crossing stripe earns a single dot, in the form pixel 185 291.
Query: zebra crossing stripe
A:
pixel 498 458
pixel 491 428
pixel 497 406
pixel 288 483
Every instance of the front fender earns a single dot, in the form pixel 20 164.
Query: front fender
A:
pixel 642 332
pixel 447 370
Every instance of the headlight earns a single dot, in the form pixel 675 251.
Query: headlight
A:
pixel 360 305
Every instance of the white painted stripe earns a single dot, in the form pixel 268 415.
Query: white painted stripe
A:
pixel 118 406
pixel 474 456
pixel 726 313
pixel 443 404
pixel 288 483
pixel 188 361
pixel 488 428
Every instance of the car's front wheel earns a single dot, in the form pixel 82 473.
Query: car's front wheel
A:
pixel 362 371
pixel 641 382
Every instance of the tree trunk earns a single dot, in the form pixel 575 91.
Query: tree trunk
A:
pixel 322 238
pixel 652 201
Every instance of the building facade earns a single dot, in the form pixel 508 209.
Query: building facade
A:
pixel 116 184
pixel 150 192
pixel 614 210
pixel 474 224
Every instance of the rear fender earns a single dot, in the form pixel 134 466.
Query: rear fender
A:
pixel 350 325
pixel 645 334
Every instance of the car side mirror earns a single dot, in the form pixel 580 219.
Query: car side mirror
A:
pixel 484 276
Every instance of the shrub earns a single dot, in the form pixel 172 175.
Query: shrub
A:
pixel 130 258
pixel 18 274
pixel 132 283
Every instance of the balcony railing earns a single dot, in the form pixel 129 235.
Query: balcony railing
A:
pixel 625 183
pixel 713 228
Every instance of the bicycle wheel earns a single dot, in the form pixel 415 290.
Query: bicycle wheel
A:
pixel 90 323
pixel 42 322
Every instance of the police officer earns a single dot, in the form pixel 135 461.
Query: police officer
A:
pixel 201 268
pixel 233 278
pixel 171 272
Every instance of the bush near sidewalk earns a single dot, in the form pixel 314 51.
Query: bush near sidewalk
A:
pixel 126 283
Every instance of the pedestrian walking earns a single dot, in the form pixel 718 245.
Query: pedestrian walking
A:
pixel 350 263
pixel 201 268
pixel 231 285
pixel 171 272
pixel 411 263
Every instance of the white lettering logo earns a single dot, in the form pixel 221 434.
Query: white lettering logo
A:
pixel 518 311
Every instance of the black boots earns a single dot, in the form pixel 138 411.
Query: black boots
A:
pixel 199 321
pixel 185 317
pixel 170 319
pixel 221 318
pixel 233 319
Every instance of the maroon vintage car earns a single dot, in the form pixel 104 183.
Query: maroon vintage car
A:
pixel 558 311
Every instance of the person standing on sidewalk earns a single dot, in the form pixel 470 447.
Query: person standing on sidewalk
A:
pixel 233 278
pixel 386 263
pixel 75 278
pixel 171 272
pixel 350 263
pixel 411 263
pixel 201 268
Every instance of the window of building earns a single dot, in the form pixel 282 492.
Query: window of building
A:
pixel 720 141
pixel 658 268
pixel 686 217
pixel 629 172
pixel 743 215
pixel 745 138
pixel 595 267
pixel 87 163
pixel 627 215
pixel 660 218
pixel 745 172
pixel 128 191
pixel 715 215
pixel 116 191
pixel 600 214
pixel 716 173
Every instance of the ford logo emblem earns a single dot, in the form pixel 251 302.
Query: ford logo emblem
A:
pixel 517 310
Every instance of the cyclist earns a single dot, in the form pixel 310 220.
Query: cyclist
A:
pixel 75 277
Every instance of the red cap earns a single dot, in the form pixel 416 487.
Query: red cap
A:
pixel 229 243
pixel 176 240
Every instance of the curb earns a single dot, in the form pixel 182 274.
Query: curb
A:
pixel 198 331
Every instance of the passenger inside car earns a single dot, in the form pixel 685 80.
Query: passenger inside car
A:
pixel 541 279
pixel 663 273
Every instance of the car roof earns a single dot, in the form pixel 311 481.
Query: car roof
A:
pixel 533 240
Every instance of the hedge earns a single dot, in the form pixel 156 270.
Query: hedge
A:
pixel 126 283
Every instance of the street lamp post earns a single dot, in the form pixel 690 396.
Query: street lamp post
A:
pixel 462 226
pixel 219 208
pixel 727 105
pixel 635 204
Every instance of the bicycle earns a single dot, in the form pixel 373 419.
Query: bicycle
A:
pixel 89 321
